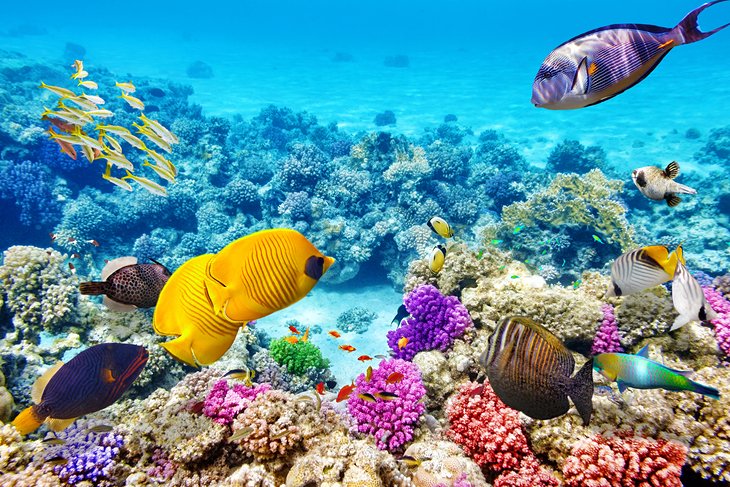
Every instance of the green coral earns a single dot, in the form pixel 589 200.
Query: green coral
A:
pixel 577 200
pixel 39 291
pixel 297 357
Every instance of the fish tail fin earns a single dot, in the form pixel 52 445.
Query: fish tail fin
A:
pixel 704 390
pixel 681 188
pixel 688 29
pixel 93 288
pixel 680 321
pixel 27 421
pixel 581 392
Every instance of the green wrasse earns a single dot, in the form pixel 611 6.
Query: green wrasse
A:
pixel 640 372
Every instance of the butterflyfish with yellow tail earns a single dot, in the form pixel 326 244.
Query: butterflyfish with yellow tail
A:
pixel 89 382
pixel 211 296
pixel 643 268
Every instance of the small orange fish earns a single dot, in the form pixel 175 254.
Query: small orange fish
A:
pixel 367 397
pixel 345 392
pixel 364 358
pixel 394 378
pixel 60 124
pixel 369 373
pixel 291 339
pixel 93 242
pixel 305 337
pixel 334 333
pixel 294 330
pixel 320 388
pixel 348 348
pixel 402 342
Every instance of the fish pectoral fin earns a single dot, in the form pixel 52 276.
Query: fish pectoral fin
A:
pixel 55 424
pixel 672 200
pixel 217 295
pixel 644 352
pixel 107 376
pixel 672 170
pixel 581 80
pixel 621 386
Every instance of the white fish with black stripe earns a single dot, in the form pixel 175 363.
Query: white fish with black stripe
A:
pixel 640 269
pixel 689 299
pixel 658 184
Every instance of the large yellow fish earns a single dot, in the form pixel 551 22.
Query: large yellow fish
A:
pixel 210 297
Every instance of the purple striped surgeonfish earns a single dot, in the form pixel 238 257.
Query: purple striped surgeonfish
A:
pixel 600 64
pixel 210 297
pixel 530 370
pixel 640 372
pixel 89 382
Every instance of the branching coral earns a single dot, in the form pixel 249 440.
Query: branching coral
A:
pixel 607 339
pixel 223 403
pixel 297 357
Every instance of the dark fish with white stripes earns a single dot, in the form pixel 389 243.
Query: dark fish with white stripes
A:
pixel 127 285
pixel 658 184
pixel 600 64
pixel 689 299
pixel 530 370
pixel 89 382
pixel 643 268
pixel 210 297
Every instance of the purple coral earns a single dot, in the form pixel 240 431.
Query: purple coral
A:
pixel 163 468
pixel 391 422
pixel 90 455
pixel 721 306
pixel 222 404
pixel 435 322
pixel 607 339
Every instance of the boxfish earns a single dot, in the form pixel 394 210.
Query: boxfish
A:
pixel 89 382
pixel 127 285
pixel 530 370
pixel 601 63
pixel 640 372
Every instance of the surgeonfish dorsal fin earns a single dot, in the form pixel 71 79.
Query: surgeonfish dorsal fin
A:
pixel 55 424
pixel 36 392
pixel 115 264
pixel 672 170
pixel 644 352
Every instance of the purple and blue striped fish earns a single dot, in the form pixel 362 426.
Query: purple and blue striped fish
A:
pixel 600 64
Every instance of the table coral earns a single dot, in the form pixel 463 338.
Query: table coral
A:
pixel 435 322
pixel 491 434
pixel 624 461
pixel 38 289
pixel 390 422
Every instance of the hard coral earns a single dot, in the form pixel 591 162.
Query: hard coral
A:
pixel 223 403
pixel 435 322
pixel 297 357
pixel 391 421
pixel 607 339
pixel 624 461
pixel 721 306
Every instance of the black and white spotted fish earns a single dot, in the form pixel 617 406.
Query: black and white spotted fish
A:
pixel 600 64
pixel 530 370
pixel 658 184
pixel 640 269
pixel 127 285
pixel 689 299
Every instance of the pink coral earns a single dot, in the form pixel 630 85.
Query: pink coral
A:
pixel 721 306
pixel 624 461
pixel 607 339
pixel 391 422
pixel 222 403
pixel 491 434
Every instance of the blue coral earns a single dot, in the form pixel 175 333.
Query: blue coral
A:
pixel 31 186
pixel 305 166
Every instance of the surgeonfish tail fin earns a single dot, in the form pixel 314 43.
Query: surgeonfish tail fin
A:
pixel 685 189
pixel 689 31
pixel 705 390
pixel 93 288
pixel 581 391
pixel 27 421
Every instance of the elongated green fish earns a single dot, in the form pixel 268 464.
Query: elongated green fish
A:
pixel 640 372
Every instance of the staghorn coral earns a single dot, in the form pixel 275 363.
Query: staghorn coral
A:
pixel 38 289
pixel 588 200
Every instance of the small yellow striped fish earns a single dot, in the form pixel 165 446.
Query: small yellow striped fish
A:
pixel 643 268
pixel 530 370
pixel 211 296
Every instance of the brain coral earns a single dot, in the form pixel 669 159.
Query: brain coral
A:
pixel 38 289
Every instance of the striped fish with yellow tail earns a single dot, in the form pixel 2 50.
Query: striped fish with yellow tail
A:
pixel 643 268
pixel 211 296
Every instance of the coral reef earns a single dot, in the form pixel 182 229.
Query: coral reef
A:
pixel 357 319
pixel 607 339
pixel 297 357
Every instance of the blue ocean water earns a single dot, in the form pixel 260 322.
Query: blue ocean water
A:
pixel 221 66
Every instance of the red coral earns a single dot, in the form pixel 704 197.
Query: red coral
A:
pixel 491 433
pixel 625 461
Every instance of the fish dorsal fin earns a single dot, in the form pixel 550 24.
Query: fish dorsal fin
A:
pixel 119 307
pixel 644 352
pixel 115 264
pixel 672 170
pixel 36 392
pixel 55 424
pixel 581 81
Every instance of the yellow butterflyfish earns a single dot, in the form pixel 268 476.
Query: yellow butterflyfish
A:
pixel 210 297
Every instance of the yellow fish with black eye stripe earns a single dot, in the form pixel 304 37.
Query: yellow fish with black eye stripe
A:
pixel 211 296
pixel 440 227
pixel 437 258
